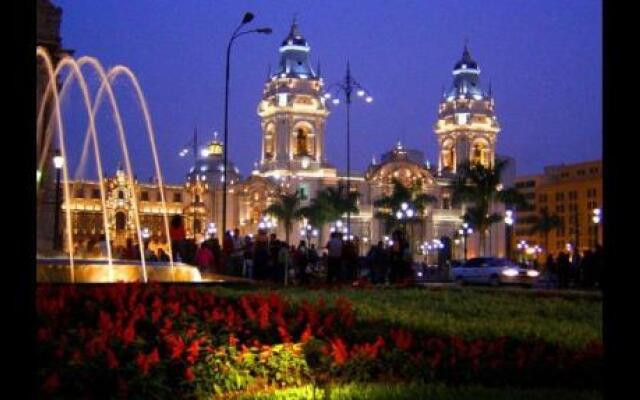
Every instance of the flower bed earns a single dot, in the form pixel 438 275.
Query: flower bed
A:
pixel 158 341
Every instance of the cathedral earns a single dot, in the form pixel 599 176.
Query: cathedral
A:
pixel 293 115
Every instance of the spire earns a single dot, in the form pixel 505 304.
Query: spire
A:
pixel 318 69
pixel 490 90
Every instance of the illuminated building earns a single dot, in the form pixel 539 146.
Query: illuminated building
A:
pixel 571 192
pixel 293 116
pixel 467 127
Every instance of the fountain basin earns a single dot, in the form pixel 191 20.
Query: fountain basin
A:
pixel 57 270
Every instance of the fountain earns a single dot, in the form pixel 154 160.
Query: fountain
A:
pixel 73 269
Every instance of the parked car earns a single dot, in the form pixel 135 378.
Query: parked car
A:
pixel 495 272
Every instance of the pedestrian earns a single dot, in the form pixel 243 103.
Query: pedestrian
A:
pixel 349 262
pixel 378 263
pixel 227 251
pixel 177 235
pixel 247 258
pixel 217 255
pixel 551 271
pixel 564 269
pixel 274 249
pixel 334 261
pixel 237 256
pixel 261 256
pixel 204 258
pixel 302 262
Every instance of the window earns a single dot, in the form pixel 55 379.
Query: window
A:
pixel 564 175
pixel 95 193
pixel 559 208
pixel 121 195
pixel 542 198
pixel 121 221
pixel 580 172
pixel 559 196
pixel 177 197
pixel 446 203
pixel 573 195
pixel 144 196
pixel 79 194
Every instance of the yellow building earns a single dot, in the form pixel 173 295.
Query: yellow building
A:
pixel 572 192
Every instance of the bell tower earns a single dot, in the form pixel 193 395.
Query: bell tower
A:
pixel 467 127
pixel 293 113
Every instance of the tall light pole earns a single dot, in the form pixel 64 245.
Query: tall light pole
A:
pixel 465 231
pixel 596 218
pixel 248 17
pixel 508 220
pixel 347 87
pixel 58 163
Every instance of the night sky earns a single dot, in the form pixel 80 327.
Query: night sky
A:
pixel 543 58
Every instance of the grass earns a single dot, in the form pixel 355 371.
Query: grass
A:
pixel 423 391
pixel 570 320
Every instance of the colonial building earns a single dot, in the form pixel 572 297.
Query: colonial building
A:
pixel 572 192
pixel 293 116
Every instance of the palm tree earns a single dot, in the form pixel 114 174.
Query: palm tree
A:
pixel 329 205
pixel 286 209
pixel 478 187
pixel 388 205
pixel 543 224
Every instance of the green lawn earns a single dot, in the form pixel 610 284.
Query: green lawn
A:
pixel 425 392
pixel 567 319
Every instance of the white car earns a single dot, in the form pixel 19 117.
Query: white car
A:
pixel 494 271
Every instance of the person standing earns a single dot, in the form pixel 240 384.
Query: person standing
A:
pixel 378 263
pixel 204 258
pixel 261 256
pixel 302 262
pixel 564 269
pixel 551 271
pixel 349 262
pixel 178 235
pixel 227 251
pixel 274 249
pixel 334 254
pixel 284 262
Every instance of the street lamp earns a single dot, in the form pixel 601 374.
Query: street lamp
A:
pixel 58 163
pixel 596 218
pixel 509 220
pixel 465 231
pixel 347 86
pixel 248 17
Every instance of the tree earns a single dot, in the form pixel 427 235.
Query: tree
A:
pixel 478 187
pixel 286 209
pixel 329 205
pixel 543 224
pixel 388 205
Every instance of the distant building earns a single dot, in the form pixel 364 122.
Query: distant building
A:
pixel 571 192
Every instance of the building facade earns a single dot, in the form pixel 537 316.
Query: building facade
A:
pixel 293 116
pixel 572 192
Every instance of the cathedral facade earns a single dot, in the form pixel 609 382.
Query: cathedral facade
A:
pixel 293 116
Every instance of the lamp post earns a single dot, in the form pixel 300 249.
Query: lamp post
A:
pixel 508 220
pixel 347 87
pixel 465 231
pixel 58 163
pixel 596 218
pixel 248 17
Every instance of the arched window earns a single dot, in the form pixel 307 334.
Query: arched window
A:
pixel 447 155
pixel 121 221
pixel 121 194
pixel 480 153
pixel 269 147
pixel 196 225
pixel 301 143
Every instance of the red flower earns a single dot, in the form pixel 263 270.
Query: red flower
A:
pixel 191 309
pixel 112 360
pixel 263 315
pixel 142 361
pixel 307 334
pixel 155 315
pixel 189 375
pixel 339 351
pixel 129 334
pixel 51 383
pixel 175 346
pixel 191 331
pixel 402 339
pixel 154 357
pixel 233 341
pixel 193 351
pixel 104 322
pixel 284 334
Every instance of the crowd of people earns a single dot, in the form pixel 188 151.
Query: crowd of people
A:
pixel 577 270
pixel 265 257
